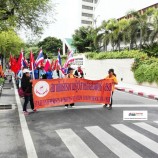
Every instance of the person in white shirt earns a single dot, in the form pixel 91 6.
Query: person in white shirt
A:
pixel 58 73
pixel 19 76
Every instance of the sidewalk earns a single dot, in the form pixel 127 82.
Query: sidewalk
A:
pixel 144 91
pixel 7 97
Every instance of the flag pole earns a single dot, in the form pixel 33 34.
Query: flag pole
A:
pixel 33 75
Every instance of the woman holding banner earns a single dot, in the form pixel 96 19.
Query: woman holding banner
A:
pixel 26 86
pixel 112 76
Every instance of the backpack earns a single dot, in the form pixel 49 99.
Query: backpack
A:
pixel 21 92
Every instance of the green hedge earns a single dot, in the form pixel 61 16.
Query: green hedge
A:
pixel 116 55
pixel 146 70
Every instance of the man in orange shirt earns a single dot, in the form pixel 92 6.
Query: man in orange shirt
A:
pixel 70 75
pixel 112 76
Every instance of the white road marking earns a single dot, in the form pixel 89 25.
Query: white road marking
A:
pixel 147 127
pixel 75 144
pixel 112 143
pixel 97 107
pixel 30 149
pixel 156 121
pixel 140 138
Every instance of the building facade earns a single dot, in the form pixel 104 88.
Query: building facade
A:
pixel 141 11
pixel 87 12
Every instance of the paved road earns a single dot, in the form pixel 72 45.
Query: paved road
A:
pixel 89 132
pixel 78 132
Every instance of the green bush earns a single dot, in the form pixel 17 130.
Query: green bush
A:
pixel 151 50
pixel 116 55
pixel 146 70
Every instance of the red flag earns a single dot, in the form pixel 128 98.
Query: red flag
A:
pixel 47 65
pixel 20 60
pixel 32 61
pixel 14 65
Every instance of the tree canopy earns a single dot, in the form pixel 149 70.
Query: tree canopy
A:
pixel 30 14
pixel 10 42
pixel 136 32
pixel 84 39
pixel 50 45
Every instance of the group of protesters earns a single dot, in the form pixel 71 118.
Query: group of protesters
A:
pixel 24 81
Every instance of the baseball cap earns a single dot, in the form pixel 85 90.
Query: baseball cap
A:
pixel 26 71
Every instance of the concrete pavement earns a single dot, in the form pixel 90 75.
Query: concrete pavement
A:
pixel 11 138
pixel 144 91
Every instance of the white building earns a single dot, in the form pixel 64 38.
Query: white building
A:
pixel 87 12
pixel 86 17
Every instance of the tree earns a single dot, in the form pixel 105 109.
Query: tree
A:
pixel 142 25
pixel 154 26
pixel 50 45
pixel 104 35
pixel 30 14
pixel 112 27
pixel 10 42
pixel 82 39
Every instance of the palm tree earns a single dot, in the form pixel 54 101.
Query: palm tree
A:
pixel 112 26
pixel 142 25
pixel 104 35
pixel 123 27
pixel 154 27
pixel 121 32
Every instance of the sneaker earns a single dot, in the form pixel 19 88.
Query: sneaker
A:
pixel 104 106
pixel 34 110
pixel 26 113
pixel 66 107
pixel 109 108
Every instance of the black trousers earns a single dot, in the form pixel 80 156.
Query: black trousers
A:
pixel 72 104
pixel 26 101
pixel 111 101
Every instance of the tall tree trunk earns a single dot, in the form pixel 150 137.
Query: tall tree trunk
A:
pixel 141 35
pixel 118 45
pixel 106 47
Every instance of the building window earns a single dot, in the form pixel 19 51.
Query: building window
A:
pixel 91 1
pixel 87 7
pixel 86 22
pixel 87 15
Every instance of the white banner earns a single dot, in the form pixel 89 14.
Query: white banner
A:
pixel 135 115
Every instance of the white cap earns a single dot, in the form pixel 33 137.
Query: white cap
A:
pixel 26 70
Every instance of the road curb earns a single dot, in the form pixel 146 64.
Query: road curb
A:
pixel 142 94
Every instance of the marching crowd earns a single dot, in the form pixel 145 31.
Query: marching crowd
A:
pixel 24 76
pixel 24 81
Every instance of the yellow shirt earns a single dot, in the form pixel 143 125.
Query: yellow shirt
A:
pixel 114 81
pixel 71 76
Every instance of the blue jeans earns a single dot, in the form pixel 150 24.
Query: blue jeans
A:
pixel 27 99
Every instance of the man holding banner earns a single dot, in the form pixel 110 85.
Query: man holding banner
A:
pixel 70 75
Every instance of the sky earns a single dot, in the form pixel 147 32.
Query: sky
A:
pixel 68 14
